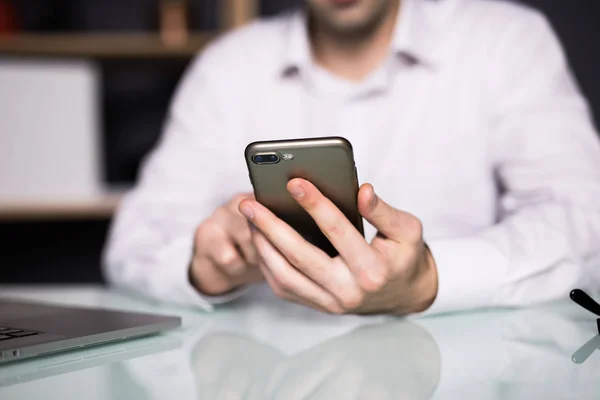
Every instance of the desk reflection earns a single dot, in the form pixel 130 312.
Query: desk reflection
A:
pixel 519 354
pixel 584 352
pixel 394 360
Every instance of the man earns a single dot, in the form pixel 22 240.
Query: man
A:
pixel 465 122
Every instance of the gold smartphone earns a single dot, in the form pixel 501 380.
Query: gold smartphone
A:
pixel 328 163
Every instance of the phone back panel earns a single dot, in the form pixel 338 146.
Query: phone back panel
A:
pixel 326 162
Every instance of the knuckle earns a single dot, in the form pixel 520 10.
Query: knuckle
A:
pixel 310 203
pixel 292 258
pixel 220 214
pixel 352 299
pixel 376 285
pixel 416 227
pixel 227 258
pixel 283 282
pixel 237 199
pixel 334 230
pixel 203 231
pixel 382 280
pixel 374 278
pixel 411 225
pixel 333 307
pixel 235 269
pixel 278 290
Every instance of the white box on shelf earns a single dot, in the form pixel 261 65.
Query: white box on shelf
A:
pixel 50 148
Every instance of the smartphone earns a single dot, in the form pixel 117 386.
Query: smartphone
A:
pixel 328 163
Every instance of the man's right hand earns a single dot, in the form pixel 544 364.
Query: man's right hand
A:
pixel 224 255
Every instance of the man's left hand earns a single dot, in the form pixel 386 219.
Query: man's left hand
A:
pixel 395 273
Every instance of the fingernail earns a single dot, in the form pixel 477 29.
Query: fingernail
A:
pixel 247 211
pixel 296 190
pixel 373 198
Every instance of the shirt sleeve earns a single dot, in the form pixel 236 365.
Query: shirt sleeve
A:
pixel 151 240
pixel 546 156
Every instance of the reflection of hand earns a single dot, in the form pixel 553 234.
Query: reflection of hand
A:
pixel 395 273
pixel 224 256
pixel 228 366
pixel 393 360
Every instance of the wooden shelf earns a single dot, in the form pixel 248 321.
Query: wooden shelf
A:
pixel 118 46
pixel 235 13
pixel 99 207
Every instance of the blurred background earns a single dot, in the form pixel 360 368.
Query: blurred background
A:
pixel 84 89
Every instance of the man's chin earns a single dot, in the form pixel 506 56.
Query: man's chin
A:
pixel 344 3
pixel 352 20
pixel 351 27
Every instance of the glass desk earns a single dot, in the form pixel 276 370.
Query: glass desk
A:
pixel 263 348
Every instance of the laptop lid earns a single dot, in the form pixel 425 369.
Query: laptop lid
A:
pixel 31 329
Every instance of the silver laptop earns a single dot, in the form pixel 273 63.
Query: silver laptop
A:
pixel 32 369
pixel 32 329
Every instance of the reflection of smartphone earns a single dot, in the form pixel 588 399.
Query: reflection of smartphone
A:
pixel 327 163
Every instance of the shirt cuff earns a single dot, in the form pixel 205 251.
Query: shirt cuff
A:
pixel 470 272
pixel 175 280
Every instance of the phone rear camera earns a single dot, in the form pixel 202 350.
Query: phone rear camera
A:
pixel 265 158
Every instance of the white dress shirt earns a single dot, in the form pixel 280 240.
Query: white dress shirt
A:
pixel 473 123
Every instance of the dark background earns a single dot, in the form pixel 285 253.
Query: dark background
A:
pixel 136 95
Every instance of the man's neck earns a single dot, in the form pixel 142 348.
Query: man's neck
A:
pixel 354 58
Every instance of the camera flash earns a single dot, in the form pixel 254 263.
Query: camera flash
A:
pixel 287 157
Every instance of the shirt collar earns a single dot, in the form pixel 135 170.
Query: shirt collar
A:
pixel 417 34
pixel 414 37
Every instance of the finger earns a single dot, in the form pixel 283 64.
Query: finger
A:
pixel 288 242
pixel 236 227
pixel 353 248
pixel 241 234
pixel 394 224
pixel 207 278
pixel 289 283
pixel 288 295
pixel 221 250
pixel 240 229
pixel 238 198
pixel 333 276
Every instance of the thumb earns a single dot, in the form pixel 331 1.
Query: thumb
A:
pixel 394 224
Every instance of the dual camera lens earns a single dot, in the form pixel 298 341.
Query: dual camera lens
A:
pixel 265 158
